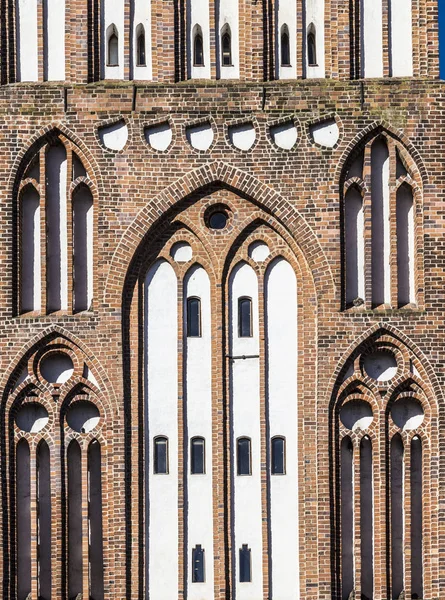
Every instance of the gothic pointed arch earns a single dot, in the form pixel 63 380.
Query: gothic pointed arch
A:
pixel 54 192
pixel 56 424
pixel 381 206
pixel 383 432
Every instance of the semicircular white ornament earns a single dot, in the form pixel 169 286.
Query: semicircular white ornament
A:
pixel 181 252
pixel 200 136
pixel 242 136
pixel 284 135
pixel 325 133
pixel 114 136
pixel 159 136
pixel 258 251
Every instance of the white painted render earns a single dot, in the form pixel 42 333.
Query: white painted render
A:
pixel 56 219
pixel 401 59
pixel 372 40
pixel 245 412
pixel 181 252
pixel 198 415
pixel 284 135
pixel 326 133
pixel 200 136
pixel 281 340
pixel 31 253
pixel 114 136
pixel 315 16
pixel 113 14
pixel 258 251
pixel 54 37
pixel 198 15
pixel 287 15
pixel 27 48
pixel 159 136
pixel 242 136
pixel 161 418
pixel 142 16
pixel 228 11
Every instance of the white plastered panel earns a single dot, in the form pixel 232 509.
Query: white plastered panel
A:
pixel 372 41
pixel 198 15
pixel 161 419
pixel 142 16
pixel 27 51
pixel 54 52
pixel 229 15
pixel 113 14
pixel 315 16
pixel 401 38
pixel 287 15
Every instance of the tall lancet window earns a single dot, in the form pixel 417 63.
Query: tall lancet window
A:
pixel 311 46
pixel 56 270
pixel 112 47
pixel 380 440
pixel 198 47
pixel 226 47
pixel 285 46
pixel 381 202
pixel 140 46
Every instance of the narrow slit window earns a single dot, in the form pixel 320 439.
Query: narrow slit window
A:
pixel 245 565
pixel 140 47
pixel 285 47
pixel 160 465
pixel 198 456
pixel 245 317
pixel 311 49
pixel 198 564
pixel 193 317
pixel 113 49
pixel 278 451
pixel 244 464
pixel 198 50
pixel 226 47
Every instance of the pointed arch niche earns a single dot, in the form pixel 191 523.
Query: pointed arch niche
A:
pixel 236 380
pixel 382 216
pixel 384 439
pixel 54 241
pixel 54 465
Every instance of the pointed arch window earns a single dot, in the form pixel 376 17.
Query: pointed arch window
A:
pixel 311 46
pixel 141 60
pixel 383 272
pixel 55 271
pixel 285 46
pixel 226 48
pixel 198 47
pixel 113 47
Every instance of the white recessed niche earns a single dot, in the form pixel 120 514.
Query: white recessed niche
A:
pixel 114 136
pixel 326 133
pixel 200 136
pixel 381 366
pixel 57 367
pixel 32 417
pixel 242 136
pixel 284 135
pixel 356 414
pixel 83 416
pixel 407 413
pixel 258 251
pixel 159 136
pixel 181 252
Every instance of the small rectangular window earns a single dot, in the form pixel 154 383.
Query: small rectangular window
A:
pixel 243 457
pixel 245 575
pixel 198 564
pixel 198 456
pixel 160 462
pixel 245 317
pixel 278 456
pixel 193 317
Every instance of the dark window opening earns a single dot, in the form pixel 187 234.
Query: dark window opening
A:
pixel 218 220
pixel 285 47
pixel 278 456
pixel 140 58
pixel 311 50
pixel 245 574
pixel 226 46
pixel 198 564
pixel 198 51
pixel 244 465
pixel 193 317
pixel 245 317
pixel 198 456
pixel 160 463
pixel 113 50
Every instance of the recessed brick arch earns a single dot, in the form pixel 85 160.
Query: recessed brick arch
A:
pixel 258 193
